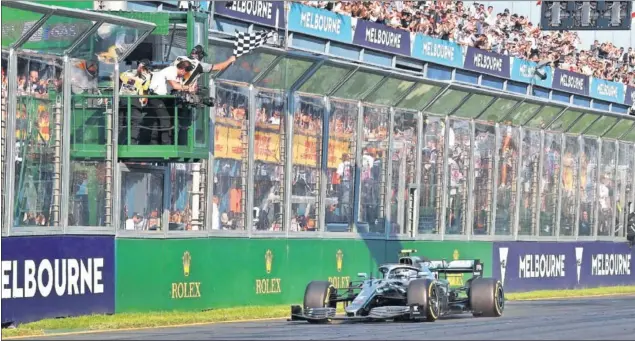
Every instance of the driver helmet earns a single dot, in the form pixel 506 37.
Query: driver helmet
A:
pixel 198 53
pixel 145 63
pixel 144 66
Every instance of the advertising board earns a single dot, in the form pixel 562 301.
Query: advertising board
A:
pixel 198 274
pixel 381 37
pixel 524 71
pixel 571 82
pixel 607 90
pixel 268 13
pixel 320 23
pixel 437 51
pixel 528 266
pixel 487 62
pixel 629 99
pixel 57 276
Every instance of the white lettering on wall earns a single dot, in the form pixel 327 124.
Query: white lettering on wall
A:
pixel 488 62
pixel 321 23
pixel 261 9
pixel 69 276
pixel 385 38
pixel 572 82
pixel 438 51
pixel 541 266
pixel 45 267
pixel 527 71
pixel 29 278
pixel 607 90
pixel 611 265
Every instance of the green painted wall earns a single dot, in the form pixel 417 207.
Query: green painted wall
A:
pixel 198 274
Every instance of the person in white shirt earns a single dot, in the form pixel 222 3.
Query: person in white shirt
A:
pixel 215 214
pixel 491 16
pixel 367 165
pixel 162 84
pixel 275 119
pixel 605 204
pixel 167 79
pixel 344 169
pixel 137 222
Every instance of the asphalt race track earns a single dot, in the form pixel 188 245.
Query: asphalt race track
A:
pixel 574 319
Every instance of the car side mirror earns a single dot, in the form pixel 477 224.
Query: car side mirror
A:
pixel 362 275
pixel 421 274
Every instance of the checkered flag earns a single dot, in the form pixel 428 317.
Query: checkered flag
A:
pixel 246 42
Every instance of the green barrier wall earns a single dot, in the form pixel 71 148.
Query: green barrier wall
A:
pixel 199 274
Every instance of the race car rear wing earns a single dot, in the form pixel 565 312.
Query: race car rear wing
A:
pixel 474 266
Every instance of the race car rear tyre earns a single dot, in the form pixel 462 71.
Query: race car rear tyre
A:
pixel 487 297
pixel 318 294
pixel 424 294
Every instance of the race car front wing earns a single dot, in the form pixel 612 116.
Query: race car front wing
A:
pixel 329 314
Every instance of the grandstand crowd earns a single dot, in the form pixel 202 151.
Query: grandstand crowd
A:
pixel 475 25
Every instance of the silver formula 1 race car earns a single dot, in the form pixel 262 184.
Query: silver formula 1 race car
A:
pixel 416 288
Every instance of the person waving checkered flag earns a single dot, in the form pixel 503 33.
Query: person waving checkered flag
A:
pixel 247 42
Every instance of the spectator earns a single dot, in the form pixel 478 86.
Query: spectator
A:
pixel 162 82
pixel 505 33
pixel 133 82
pixel 137 222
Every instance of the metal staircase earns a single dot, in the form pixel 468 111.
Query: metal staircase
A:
pixel 383 179
pixel 3 141
pixel 411 176
pixel 200 193
pixel 244 172
pixel 490 191
pixel 318 183
pixel 439 191
pixel 109 164
pixel 283 158
pixel 513 194
pixel 535 173
pixel 463 187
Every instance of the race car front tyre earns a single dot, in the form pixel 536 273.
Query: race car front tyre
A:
pixel 318 294
pixel 424 294
pixel 487 297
